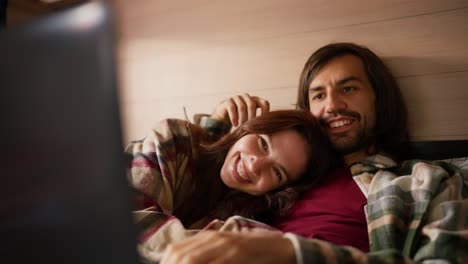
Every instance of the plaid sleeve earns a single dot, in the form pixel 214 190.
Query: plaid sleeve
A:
pixel 323 252
pixel 160 164
pixel 444 235
pixel 416 213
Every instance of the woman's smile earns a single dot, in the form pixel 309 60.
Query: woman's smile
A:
pixel 238 171
pixel 259 163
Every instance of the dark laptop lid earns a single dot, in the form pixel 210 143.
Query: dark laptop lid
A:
pixel 64 197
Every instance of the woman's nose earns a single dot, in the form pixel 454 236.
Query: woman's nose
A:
pixel 256 163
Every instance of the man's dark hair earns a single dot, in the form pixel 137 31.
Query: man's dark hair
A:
pixel 391 129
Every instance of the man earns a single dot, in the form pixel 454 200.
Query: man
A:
pixel 413 211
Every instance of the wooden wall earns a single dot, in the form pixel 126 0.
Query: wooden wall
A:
pixel 194 53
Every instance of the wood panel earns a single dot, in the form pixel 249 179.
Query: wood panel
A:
pixel 196 53
pixel 224 21
pixel 437 105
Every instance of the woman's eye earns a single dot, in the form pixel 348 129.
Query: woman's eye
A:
pixel 278 174
pixel 264 144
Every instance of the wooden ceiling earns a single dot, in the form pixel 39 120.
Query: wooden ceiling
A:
pixel 20 11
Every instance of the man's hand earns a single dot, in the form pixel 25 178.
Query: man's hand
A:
pixel 240 108
pixel 227 247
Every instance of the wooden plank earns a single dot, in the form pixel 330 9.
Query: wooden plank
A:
pixel 428 44
pixel 436 104
pixel 237 21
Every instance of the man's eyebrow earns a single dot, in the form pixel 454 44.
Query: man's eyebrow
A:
pixel 285 172
pixel 347 79
pixel 340 82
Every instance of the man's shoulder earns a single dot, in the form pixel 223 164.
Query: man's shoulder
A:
pixel 407 167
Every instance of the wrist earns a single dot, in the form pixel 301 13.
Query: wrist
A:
pixel 212 125
pixel 295 247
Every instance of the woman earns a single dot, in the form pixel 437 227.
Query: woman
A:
pixel 256 171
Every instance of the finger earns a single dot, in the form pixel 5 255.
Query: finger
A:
pixel 261 103
pixel 193 250
pixel 208 250
pixel 177 252
pixel 220 111
pixel 242 110
pixel 251 104
pixel 232 111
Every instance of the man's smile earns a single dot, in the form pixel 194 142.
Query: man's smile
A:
pixel 339 125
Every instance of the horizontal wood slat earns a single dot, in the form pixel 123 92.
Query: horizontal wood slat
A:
pixel 196 53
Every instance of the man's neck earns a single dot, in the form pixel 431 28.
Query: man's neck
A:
pixel 354 157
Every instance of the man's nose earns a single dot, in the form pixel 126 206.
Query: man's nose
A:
pixel 334 103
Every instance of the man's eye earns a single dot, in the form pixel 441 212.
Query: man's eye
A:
pixel 317 97
pixel 349 89
pixel 278 174
pixel 264 144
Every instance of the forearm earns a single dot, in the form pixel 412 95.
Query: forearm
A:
pixel 153 169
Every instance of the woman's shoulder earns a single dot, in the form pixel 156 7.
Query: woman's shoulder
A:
pixel 183 132
pixel 176 126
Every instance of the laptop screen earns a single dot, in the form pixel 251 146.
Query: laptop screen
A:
pixel 64 197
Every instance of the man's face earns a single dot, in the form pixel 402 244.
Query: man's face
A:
pixel 342 97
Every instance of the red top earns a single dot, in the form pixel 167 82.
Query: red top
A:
pixel 332 211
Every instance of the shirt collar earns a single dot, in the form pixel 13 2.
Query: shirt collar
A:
pixel 372 164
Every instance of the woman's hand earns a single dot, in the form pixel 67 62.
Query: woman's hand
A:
pixel 238 109
pixel 227 247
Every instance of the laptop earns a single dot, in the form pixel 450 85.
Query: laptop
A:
pixel 64 197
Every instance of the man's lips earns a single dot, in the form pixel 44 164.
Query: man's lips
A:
pixel 238 171
pixel 338 125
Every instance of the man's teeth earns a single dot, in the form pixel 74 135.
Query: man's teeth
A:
pixel 339 123
pixel 240 171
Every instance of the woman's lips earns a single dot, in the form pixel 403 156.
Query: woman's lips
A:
pixel 237 164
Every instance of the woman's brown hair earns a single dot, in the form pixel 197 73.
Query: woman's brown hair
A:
pixel 275 203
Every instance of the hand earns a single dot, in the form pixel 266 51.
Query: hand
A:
pixel 240 108
pixel 227 247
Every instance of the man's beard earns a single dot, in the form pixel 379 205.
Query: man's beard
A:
pixel 347 144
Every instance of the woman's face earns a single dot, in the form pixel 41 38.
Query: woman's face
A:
pixel 259 163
